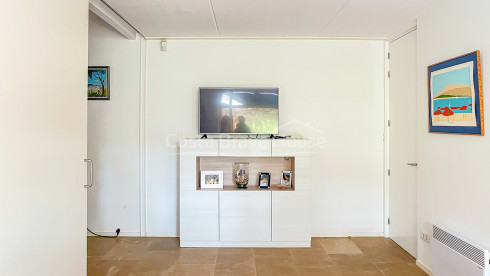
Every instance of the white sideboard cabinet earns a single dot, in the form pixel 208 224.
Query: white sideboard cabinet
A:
pixel 252 217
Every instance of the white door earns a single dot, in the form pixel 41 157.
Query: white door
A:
pixel 402 203
pixel 43 137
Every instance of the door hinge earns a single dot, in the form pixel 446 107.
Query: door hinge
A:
pixel 389 122
pixel 389 55
pixel 389 221
pixel 389 74
pixel 389 172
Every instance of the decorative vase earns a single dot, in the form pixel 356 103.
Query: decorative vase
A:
pixel 241 174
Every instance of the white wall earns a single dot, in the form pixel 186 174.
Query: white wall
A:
pixel 113 133
pixel 453 173
pixel 330 91
pixel 43 114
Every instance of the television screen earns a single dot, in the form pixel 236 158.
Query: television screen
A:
pixel 239 110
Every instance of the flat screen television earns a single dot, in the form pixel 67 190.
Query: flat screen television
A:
pixel 238 111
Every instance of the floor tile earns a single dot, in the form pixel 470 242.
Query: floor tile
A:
pixel 197 256
pixel 340 246
pixel 353 264
pixel 272 252
pixel 193 270
pixel 91 264
pixel 165 244
pixel 97 246
pixel 375 242
pixel 400 269
pixel 387 255
pixel 152 273
pixel 316 243
pixel 235 259
pixel 306 257
pixel 318 271
pixel 362 273
pixel 157 262
pixel 114 268
pixel 249 251
pixel 127 249
pixel 241 269
pixel 269 266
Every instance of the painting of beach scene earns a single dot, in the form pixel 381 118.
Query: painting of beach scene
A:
pixel 98 83
pixel 455 96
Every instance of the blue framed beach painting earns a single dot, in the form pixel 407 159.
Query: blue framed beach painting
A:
pixel 456 96
pixel 98 83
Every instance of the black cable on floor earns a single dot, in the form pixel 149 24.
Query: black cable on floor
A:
pixel 117 234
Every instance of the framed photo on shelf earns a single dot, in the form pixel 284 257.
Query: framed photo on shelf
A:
pixel 456 96
pixel 264 180
pixel 211 179
pixel 287 178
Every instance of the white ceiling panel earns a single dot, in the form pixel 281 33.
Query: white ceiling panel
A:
pixel 269 18
pixel 274 18
pixel 373 18
pixel 168 18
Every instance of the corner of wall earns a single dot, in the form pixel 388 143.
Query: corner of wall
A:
pixel 424 267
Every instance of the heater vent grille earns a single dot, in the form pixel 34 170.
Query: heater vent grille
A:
pixel 469 251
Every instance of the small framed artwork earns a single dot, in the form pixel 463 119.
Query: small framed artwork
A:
pixel 211 179
pixel 287 178
pixel 98 83
pixel 456 96
pixel 264 180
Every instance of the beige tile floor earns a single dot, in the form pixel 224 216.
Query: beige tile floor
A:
pixel 327 256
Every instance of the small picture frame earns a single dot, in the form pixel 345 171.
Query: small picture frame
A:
pixel 98 83
pixel 264 180
pixel 211 179
pixel 287 178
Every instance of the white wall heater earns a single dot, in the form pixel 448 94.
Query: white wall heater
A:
pixel 453 256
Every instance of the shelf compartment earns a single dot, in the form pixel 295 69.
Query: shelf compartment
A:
pixel 273 165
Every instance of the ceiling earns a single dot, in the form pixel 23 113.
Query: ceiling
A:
pixel 382 19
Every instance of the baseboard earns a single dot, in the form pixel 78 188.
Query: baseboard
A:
pixel 121 234
pixel 343 235
pixel 162 235
pixel 137 234
pixel 267 244
pixel 424 267
pixel 176 235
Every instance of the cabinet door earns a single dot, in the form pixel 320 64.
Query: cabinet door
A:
pixel 199 216
pixel 244 147
pixel 245 215
pixel 291 216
